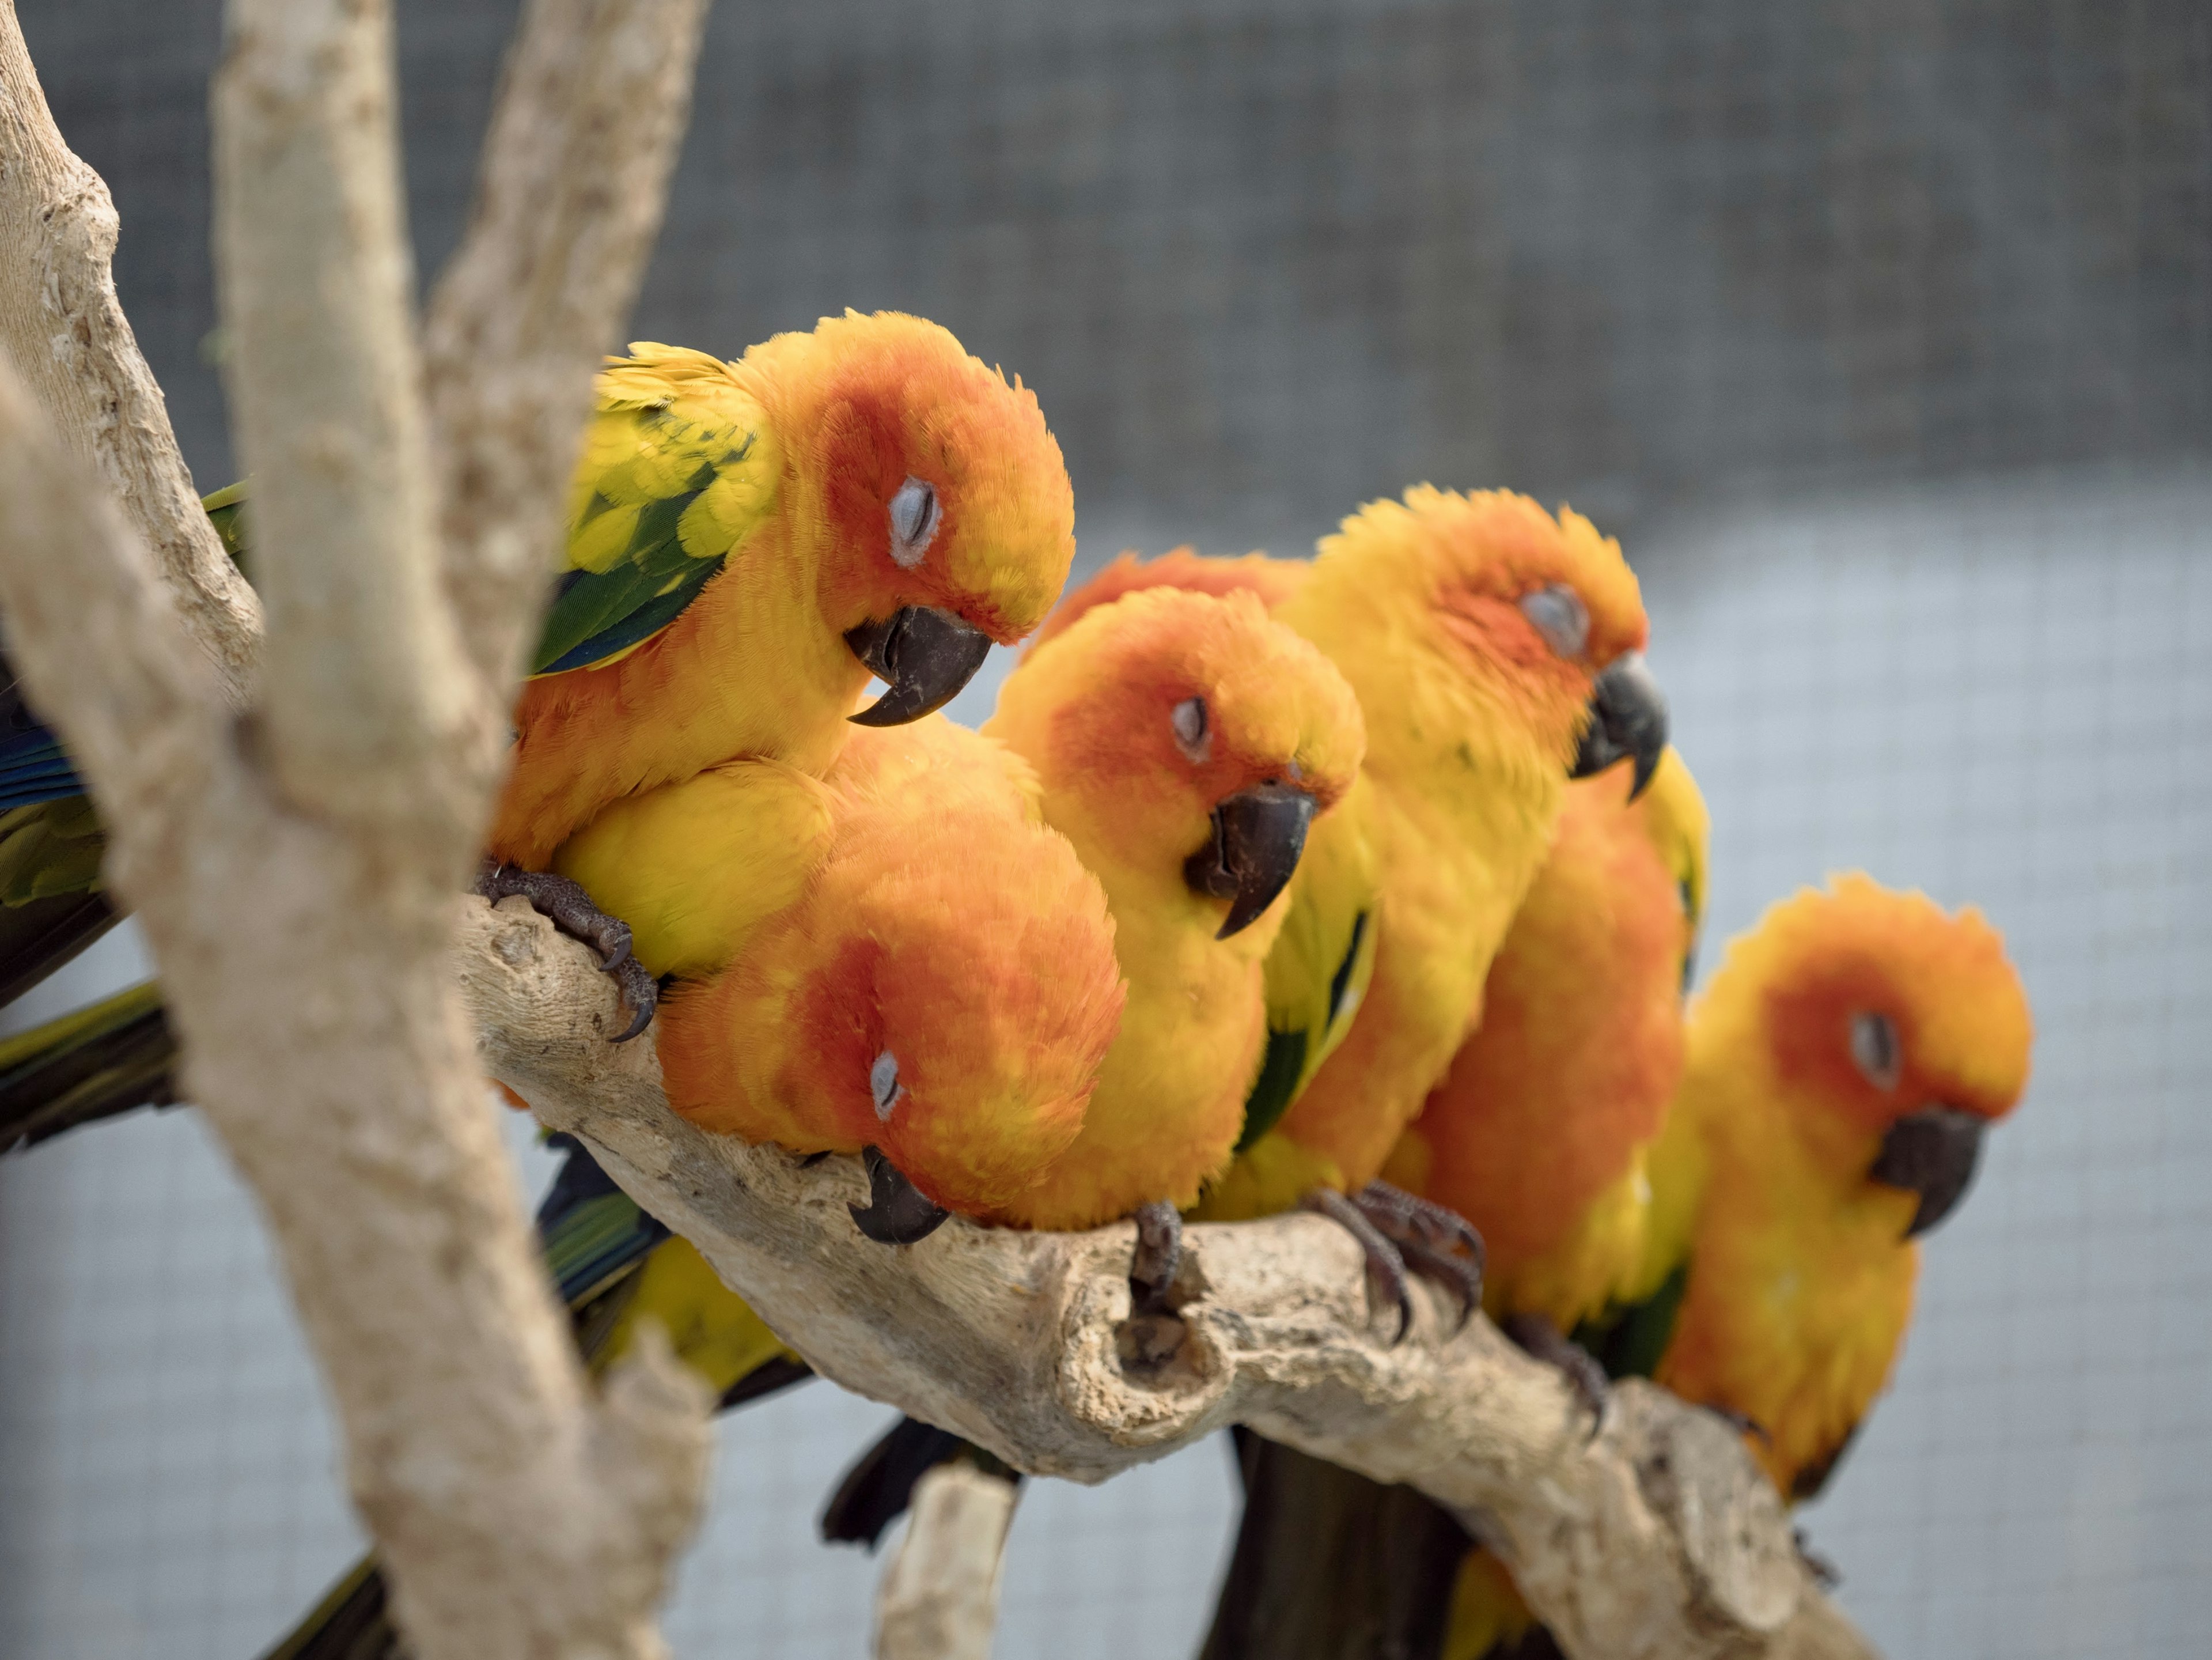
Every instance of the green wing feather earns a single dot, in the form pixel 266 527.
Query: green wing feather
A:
pixel 679 467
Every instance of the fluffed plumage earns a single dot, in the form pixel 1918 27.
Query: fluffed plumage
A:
pixel 924 968
pixel 1146 722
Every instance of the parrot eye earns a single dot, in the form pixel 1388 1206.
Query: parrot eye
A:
pixel 913 521
pixel 1558 613
pixel 1875 1051
pixel 883 1084
pixel 1192 735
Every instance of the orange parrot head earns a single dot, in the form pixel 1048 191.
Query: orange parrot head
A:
pixel 944 997
pixel 1187 736
pixel 1484 598
pixel 1900 1029
pixel 935 496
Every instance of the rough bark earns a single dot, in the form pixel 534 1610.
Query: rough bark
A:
pixel 1659 1538
pixel 294 867
pixel 61 323
pixel 939 1598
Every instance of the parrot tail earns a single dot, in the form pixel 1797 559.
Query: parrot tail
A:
pixel 879 1487
pixel 350 1623
pixel 109 1058
pixel 1329 1563
pixel 38 935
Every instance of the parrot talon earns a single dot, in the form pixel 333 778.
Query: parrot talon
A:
pixel 1456 1272
pixel 1539 1340
pixel 1407 1217
pixel 1435 1242
pixel 1386 1267
pixel 1825 1574
pixel 1742 1423
pixel 570 908
pixel 1159 1254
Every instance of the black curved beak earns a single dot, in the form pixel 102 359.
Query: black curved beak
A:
pixel 1258 835
pixel 1932 1154
pixel 896 1213
pixel 1628 717
pixel 924 656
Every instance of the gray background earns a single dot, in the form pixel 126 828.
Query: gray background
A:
pixel 1879 333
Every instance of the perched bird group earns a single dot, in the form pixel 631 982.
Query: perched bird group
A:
pixel 1366 884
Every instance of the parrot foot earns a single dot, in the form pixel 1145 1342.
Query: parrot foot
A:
pixel 571 911
pixel 1399 1231
pixel 1438 1243
pixel 1539 1338
pixel 1386 1267
pixel 1159 1254
pixel 1825 1574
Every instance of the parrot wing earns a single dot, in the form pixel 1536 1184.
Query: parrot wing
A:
pixel 1321 962
pixel 679 467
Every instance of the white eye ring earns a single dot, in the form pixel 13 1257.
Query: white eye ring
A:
pixel 1558 613
pixel 1875 1050
pixel 913 513
pixel 1192 735
pixel 883 1084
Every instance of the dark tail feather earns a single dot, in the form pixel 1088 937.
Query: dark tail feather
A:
pixel 350 1623
pixel 1328 1564
pixel 39 937
pixel 878 1489
pixel 109 1058
pixel 770 1377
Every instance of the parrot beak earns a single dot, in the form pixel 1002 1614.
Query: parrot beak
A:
pixel 1258 835
pixel 924 656
pixel 1628 716
pixel 896 1213
pixel 1932 1154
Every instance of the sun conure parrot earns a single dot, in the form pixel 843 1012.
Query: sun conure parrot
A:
pixel 750 541
pixel 1496 652
pixel 1540 1135
pixel 1184 743
pixel 899 959
pixel 1842 1066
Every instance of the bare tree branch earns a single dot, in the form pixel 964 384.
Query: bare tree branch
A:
pixel 296 870
pixel 1659 1538
pixel 367 689
pixel 61 323
pixel 938 1597
pixel 593 104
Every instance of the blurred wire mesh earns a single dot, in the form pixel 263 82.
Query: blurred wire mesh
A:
pixel 1879 333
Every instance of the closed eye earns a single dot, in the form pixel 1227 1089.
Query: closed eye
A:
pixel 1875 1050
pixel 913 514
pixel 1558 613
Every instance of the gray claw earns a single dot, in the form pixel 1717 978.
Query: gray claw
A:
pixel 1384 1263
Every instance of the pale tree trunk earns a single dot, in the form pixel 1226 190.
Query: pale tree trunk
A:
pixel 297 867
